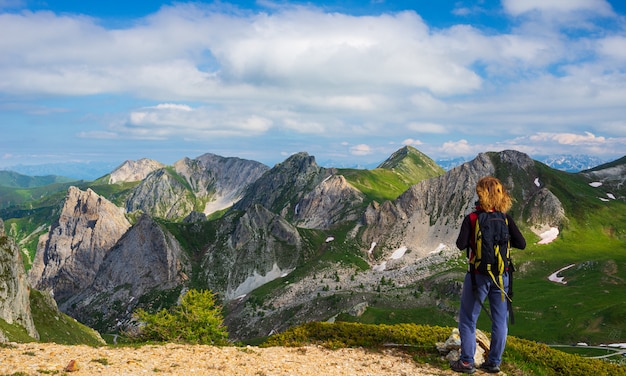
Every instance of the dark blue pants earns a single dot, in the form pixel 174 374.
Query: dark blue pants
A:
pixel 470 309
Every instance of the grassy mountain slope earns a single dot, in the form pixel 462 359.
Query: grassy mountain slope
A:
pixel 55 326
pixel 52 325
pixel 15 180
pixel 15 196
pixel 16 189
pixel 391 178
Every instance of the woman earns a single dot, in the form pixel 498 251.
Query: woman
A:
pixel 491 197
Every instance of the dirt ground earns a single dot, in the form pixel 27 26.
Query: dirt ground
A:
pixel 173 359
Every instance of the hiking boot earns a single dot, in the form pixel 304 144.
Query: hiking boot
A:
pixel 463 367
pixel 490 367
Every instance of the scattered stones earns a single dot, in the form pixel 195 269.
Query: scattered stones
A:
pixel 451 348
pixel 72 366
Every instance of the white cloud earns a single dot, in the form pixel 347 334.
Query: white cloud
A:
pixel 426 127
pixel 173 106
pixel 304 73
pixel 613 47
pixel 547 143
pixel 360 150
pixel 102 135
pixel 412 142
pixel 295 48
pixel 568 138
pixel 427 103
pixel 518 7
pixel 180 120
pixel 460 147
pixel 541 143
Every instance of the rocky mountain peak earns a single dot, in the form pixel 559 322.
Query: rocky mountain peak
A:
pixel 134 170
pixel 412 165
pixel 300 162
pixel 280 188
pixel 399 157
pixel 516 159
pixel 69 256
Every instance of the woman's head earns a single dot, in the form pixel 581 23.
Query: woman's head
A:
pixel 492 195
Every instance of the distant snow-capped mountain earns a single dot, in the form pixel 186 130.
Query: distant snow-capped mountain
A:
pixel 450 163
pixel 571 163
pixel 562 162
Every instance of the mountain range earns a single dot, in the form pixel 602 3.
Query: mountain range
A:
pixel 94 170
pixel 299 242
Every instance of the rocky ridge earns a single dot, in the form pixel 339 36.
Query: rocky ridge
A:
pixel 206 184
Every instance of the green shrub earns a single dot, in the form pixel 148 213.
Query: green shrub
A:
pixel 196 320
pixel 343 334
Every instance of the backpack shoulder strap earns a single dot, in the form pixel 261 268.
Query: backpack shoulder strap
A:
pixel 473 216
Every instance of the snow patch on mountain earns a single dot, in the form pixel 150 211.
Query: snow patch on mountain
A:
pixel 554 277
pixel 548 236
pixel 256 280
pixel 219 203
pixel 398 253
pixel 439 248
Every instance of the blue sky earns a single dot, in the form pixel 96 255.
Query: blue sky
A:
pixel 349 82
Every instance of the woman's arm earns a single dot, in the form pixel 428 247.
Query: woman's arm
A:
pixel 517 239
pixel 463 241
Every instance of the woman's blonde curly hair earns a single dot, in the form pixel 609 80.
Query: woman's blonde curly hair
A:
pixel 492 195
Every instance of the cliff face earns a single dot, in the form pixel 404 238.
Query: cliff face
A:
pixel 162 195
pixel 146 259
pixel 69 256
pixel 14 287
pixel 331 202
pixel 251 250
